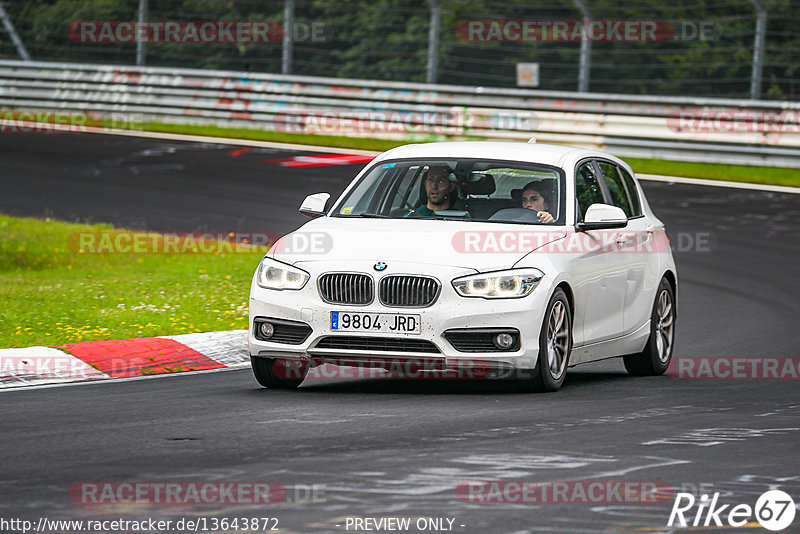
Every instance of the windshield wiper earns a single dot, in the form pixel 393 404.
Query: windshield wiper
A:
pixel 373 215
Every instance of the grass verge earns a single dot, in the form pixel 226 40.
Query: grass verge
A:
pixel 51 293
pixel 718 171
pixel 332 141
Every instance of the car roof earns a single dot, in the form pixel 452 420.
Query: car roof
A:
pixel 556 155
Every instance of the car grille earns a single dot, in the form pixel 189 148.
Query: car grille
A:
pixel 346 288
pixel 408 291
pixel 383 344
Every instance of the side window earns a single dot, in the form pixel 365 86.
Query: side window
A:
pixel 587 187
pixel 636 204
pixel 615 186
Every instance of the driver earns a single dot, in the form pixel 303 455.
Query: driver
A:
pixel 439 190
pixel 533 198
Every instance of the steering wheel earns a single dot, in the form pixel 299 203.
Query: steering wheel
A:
pixel 521 215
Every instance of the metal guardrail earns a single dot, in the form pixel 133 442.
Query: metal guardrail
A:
pixel 763 132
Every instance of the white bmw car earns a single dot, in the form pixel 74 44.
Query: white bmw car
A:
pixel 470 259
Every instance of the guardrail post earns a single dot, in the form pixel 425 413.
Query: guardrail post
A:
pixel 586 49
pixel 21 50
pixel 758 49
pixel 141 45
pixel 433 39
pixel 288 30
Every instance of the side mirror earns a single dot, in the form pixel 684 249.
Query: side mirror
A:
pixel 315 205
pixel 602 217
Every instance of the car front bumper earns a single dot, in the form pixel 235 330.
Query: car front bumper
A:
pixel 450 311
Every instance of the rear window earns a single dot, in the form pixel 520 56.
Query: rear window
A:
pixel 633 193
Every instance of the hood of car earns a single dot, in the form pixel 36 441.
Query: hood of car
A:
pixel 470 245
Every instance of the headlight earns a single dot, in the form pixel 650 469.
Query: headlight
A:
pixel 273 274
pixel 499 285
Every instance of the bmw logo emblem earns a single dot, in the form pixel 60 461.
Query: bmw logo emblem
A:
pixel 380 266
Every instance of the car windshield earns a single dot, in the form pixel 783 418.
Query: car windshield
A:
pixel 448 189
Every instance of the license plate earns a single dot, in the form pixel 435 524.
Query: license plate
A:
pixel 392 323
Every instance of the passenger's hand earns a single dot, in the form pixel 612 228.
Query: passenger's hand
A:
pixel 544 217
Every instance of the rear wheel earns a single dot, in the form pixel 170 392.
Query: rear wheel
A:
pixel 277 373
pixel 655 357
pixel 555 345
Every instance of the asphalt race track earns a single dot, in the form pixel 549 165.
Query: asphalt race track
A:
pixel 400 449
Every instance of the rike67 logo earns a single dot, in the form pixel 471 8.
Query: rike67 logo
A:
pixel 774 510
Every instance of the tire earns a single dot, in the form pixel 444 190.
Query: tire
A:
pixel 555 347
pixel 655 357
pixel 272 373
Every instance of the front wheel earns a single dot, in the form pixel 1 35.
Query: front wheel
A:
pixel 278 374
pixel 655 357
pixel 555 345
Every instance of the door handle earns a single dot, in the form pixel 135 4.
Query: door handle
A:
pixel 623 239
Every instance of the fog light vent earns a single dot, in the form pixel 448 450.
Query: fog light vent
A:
pixel 503 341
pixel 266 330
pixel 280 330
